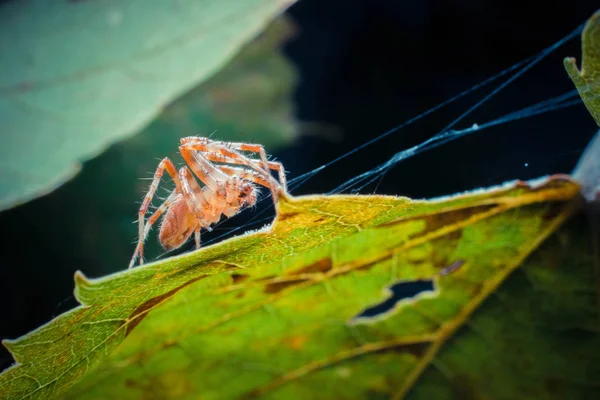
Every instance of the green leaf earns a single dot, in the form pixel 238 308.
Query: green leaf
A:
pixel 277 312
pixel 106 195
pixel 78 76
pixel 587 80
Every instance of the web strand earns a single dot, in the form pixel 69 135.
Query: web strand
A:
pixel 446 135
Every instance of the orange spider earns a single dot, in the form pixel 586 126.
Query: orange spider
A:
pixel 226 190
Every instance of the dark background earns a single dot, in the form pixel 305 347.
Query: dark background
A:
pixel 365 66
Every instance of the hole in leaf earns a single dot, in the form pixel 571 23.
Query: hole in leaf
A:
pixel 397 292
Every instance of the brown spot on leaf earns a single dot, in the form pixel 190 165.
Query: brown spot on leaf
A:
pixel 237 278
pixel 454 236
pixel 366 266
pixel 476 290
pixel 275 287
pixel 287 215
pixel 416 349
pixel 522 185
pixel 553 211
pixel 265 278
pixel 296 342
pixel 443 249
pixel 322 266
pixel 441 219
pixel 142 310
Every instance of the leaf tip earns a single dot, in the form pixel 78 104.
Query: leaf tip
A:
pixel 11 346
pixel 570 64
pixel 81 284
pixel 7 343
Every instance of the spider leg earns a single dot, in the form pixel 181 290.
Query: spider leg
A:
pixel 165 164
pixel 212 177
pixel 197 148
pixel 250 175
pixel 197 237
pixel 246 174
pixel 139 250
pixel 258 148
pixel 223 153
pixel 194 196
pixel 202 168
pixel 276 166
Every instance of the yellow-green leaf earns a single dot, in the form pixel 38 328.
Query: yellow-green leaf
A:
pixel 280 312
pixel 76 76
pixel 587 80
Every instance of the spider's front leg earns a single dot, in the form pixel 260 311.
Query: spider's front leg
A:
pixel 272 165
pixel 165 164
pixel 139 249
pixel 267 165
pixel 228 153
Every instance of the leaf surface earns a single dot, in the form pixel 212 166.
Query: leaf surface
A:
pixel 78 76
pixel 278 312
pixel 587 80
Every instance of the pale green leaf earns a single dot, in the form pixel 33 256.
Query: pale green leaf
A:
pixel 77 76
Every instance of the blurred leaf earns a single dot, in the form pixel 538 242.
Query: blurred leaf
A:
pixel 104 198
pixel 249 99
pixel 77 76
pixel 587 80
pixel 289 312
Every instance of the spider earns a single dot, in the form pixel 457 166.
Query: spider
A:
pixel 226 191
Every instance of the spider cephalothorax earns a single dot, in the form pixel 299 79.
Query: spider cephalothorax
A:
pixel 227 189
pixel 240 193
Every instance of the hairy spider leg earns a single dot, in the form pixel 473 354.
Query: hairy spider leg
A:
pixel 197 237
pixel 183 186
pixel 165 164
pixel 276 166
pixel 211 176
pixel 192 191
pixel 244 173
pixel 139 249
pixel 204 145
pixel 240 159
pixel 195 198
pixel 204 170
pixel 253 148
pixel 258 148
pixel 201 147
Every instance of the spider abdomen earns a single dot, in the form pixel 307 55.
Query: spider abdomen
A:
pixel 177 226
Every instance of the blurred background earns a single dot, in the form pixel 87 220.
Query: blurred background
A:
pixel 321 79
